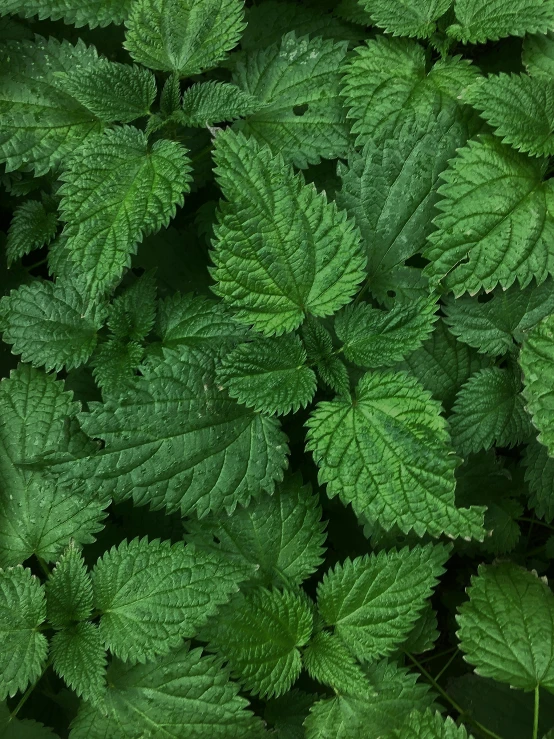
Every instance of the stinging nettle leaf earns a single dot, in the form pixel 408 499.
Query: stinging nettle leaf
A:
pixel 519 108
pixel 194 697
pixel 376 338
pixel 506 626
pixel 429 725
pixel 183 36
pixel 298 82
pixel 79 657
pixel 538 55
pixel 51 324
pixel 24 648
pixel 327 659
pixel 152 594
pixel 91 13
pixel 408 18
pixel 32 226
pixel 488 235
pixel 539 475
pixel 69 590
pixel 206 103
pixel 269 375
pixel 277 264
pixel 132 314
pixel 387 452
pixel 537 362
pixel 480 21
pixel 259 633
pixel 374 601
pixel 115 191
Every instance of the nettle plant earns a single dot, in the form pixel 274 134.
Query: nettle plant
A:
pixel 277 456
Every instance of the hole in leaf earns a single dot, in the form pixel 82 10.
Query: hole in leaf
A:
pixel 300 109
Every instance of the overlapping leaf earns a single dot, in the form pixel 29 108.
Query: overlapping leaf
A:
pixel 480 20
pixel 79 657
pixel 409 18
pixel 78 12
pixel 206 103
pixel 537 362
pixel 31 227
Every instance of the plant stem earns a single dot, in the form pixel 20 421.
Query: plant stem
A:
pixel 446 666
pixel 536 520
pixel 43 566
pixel 450 700
pixel 536 714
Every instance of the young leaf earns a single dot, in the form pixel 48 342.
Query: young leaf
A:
pixel 327 660
pixel 429 725
pixel 69 590
pixel 319 347
pixel 539 475
pixel 183 36
pixel 115 191
pixel 538 55
pixel 387 83
pixel 115 363
pixel 374 601
pixel 301 256
pixel 372 711
pixel 488 235
pixel 161 445
pixel 91 13
pixel 51 324
pixel 489 409
pixel 424 634
pixel 39 515
pixel 390 190
pixel 537 362
pixel 375 338
pixel 41 123
pixel 281 534
pixel 386 451
pixel 259 634
pixel 31 227
pixel 505 627
pixel 298 81
pixel 519 108
pixel 152 594
pixel 443 364
pixel 480 21
pixel 112 91
pixel 193 697
pixel 269 375
pixel 79 657
pixel 494 326
pixel 132 314
pixel 206 103
pixel 24 648
pixel 410 18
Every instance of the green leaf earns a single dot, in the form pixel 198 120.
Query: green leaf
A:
pixel 116 190
pixel 390 189
pixel 206 103
pixel 269 375
pixel 176 440
pixel 115 363
pixel 489 235
pixel 152 594
pixel 374 601
pixel 132 314
pixel 24 648
pixel 373 710
pixel 480 21
pixel 443 364
pixel 519 108
pixel 429 725
pixel 112 91
pixel 79 657
pixel 327 660
pixel 39 515
pixel 538 55
pixel 184 320
pixel 69 590
pixel 302 256
pixel 424 634
pixel 183 36
pixel 40 122
pixel 31 228
pixel 537 362
pixel 407 18
pixel 388 83
pixel 51 324
pixel 493 327
pixel 376 338
pixel 386 451
pixel 287 713
pixel 539 475
pixel 259 634
pixel 319 346
pixel 78 12
pixel 505 627
pixel 193 697
pixel 489 410
pixel 298 81
pixel 281 534
pixel 13 728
